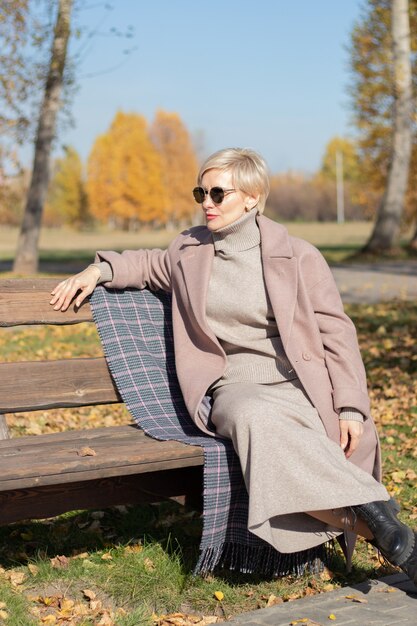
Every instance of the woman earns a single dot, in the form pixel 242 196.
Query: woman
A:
pixel 259 325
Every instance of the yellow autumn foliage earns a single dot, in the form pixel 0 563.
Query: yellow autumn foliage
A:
pixel 179 166
pixel 124 182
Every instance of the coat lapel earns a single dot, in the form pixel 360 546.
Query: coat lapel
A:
pixel 196 261
pixel 280 272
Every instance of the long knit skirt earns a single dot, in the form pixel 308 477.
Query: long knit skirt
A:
pixel 289 464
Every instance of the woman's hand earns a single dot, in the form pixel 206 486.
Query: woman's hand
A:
pixel 82 284
pixel 350 434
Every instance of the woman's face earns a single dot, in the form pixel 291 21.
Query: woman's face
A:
pixel 234 205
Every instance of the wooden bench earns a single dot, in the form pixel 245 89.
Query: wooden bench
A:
pixel 45 475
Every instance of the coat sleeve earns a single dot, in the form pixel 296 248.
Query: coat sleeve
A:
pixel 342 355
pixel 138 268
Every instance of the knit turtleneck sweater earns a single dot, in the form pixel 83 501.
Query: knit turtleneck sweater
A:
pixel 239 310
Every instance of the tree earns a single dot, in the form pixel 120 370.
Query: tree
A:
pixel 67 198
pixel 124 181
pixel 359 199
pixel 387 226
pixel 179 165
pixel 376 100
pixel 15 75
pixel 26 259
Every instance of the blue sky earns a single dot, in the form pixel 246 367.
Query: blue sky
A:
pixel 269 74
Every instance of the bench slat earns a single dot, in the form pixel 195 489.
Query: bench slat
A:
pixel 120 451
pixel 26 301
pixel 55 384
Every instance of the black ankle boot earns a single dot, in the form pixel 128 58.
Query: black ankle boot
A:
pixel 396 541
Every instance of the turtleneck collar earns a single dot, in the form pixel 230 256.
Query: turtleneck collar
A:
pixel 238 236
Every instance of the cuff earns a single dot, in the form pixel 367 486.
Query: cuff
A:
pixel 106 272
pixel 351 414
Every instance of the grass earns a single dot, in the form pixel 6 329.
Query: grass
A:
pixel 130 565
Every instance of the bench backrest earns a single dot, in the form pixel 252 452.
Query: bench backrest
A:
pixel 41 385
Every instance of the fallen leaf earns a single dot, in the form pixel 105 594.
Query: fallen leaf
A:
pixel 332 616
pixel 67 604
pixel 106 620
pixel 95 605
pixel 59 562
pixel 219 595
pixel 2 605
pixel 148 564
pixel 17 578
pixel 357 599
pixel 81 555
pixel 86 451
pixel 106 557
pixel 273 600
pixel 33 569
pixel 89 594
pixel 137 547
pixel 48 619
pixel 3 614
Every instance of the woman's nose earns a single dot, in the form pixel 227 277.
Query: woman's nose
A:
pixel 207 202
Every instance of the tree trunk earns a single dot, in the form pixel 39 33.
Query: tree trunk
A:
pixel 413 242
pixel 386 231
pixel 26 260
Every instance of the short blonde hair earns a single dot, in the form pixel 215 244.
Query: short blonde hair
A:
pixel 248 168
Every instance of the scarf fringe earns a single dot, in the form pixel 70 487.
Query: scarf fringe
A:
pixel 264 560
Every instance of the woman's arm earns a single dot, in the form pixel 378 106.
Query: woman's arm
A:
pixel 131 268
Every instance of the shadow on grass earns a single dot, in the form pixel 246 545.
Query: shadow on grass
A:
pixel 176 529
pixel 85 531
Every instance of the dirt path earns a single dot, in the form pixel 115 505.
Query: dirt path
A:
pixel 368 283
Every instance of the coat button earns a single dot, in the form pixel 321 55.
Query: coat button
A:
pixel 306 356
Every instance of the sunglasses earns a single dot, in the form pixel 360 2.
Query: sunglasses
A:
pixel 216 194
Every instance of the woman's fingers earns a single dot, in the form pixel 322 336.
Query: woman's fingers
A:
pixel 80 286
pixel 350 434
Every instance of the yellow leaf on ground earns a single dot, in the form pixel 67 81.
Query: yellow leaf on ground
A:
pixel 219 595
pixel 148 564
pixel 2 605
pixel 137 547
pixel 355 598
pixel 273 600
pixel 3 615
pixel 86 451
pixel 33 569
pixel 89 594
pixel 59 562
pixel 67 604
pixel 17 578
pixel 48 619
pixel 106 620
pixel 107 557
pixel 332 616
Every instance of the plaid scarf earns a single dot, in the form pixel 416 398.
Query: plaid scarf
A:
pixel 136 332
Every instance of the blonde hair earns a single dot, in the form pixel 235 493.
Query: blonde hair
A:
pixel 249 171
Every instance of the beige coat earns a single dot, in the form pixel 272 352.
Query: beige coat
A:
pixel 318 337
